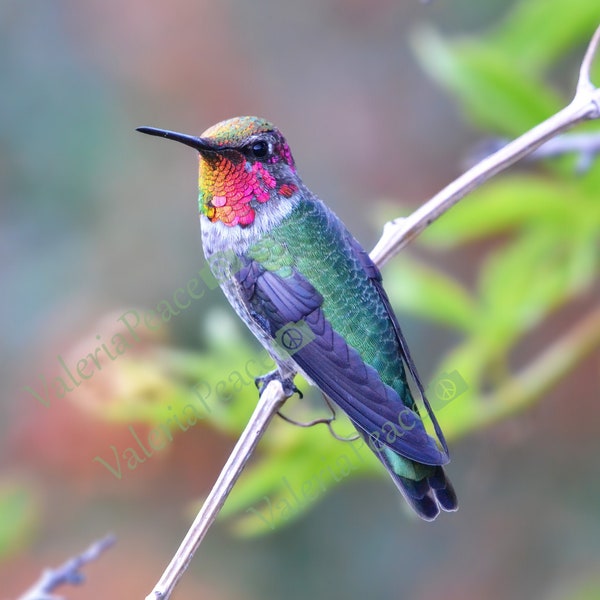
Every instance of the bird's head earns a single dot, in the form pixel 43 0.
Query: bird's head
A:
pixel 245 165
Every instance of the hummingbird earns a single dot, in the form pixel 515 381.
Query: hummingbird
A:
pixel 312 296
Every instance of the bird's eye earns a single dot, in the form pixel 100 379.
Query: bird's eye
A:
pixel 259 149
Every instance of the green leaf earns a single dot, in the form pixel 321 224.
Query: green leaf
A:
pixel 424 291
pixel 589 589
pixel 538 33
pixel 509 203
pixel 300 466
pixel 490 88
pixel 18 517
pixel 162 383
pixel 466 365
pixel 584 266
pixel 525 280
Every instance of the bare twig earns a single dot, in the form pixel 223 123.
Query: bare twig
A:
pixel 584 106
pixel 585 146
pixel 270 402
pixel 397 234
pixel 536 378
pixel 67 573
pixel 584 82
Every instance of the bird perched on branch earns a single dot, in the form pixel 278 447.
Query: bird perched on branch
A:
pixel 312 296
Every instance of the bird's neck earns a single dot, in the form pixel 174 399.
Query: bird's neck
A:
pixel 217 236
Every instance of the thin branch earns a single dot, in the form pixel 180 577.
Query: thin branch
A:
pixel 585 146
pixel 584 83
pixel 67 573
pixel 271 400
pixel 584 106
pixel 396 235
pixel 531 382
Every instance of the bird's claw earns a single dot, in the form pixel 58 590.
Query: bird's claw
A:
pixel 289 388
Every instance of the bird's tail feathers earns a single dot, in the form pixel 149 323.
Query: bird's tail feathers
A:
pixel 426 496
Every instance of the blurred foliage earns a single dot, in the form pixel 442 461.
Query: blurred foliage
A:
pixel 18 517
pixel 541 231
pixel 588 590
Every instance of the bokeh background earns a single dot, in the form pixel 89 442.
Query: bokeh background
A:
pixel 97 220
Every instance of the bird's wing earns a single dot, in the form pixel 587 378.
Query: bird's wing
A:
pixel 373 273
pixel 289 309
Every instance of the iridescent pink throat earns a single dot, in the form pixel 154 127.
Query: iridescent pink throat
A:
pixel 227 189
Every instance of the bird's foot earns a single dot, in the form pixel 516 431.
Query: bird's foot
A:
pixel 323 420
pixel 289 388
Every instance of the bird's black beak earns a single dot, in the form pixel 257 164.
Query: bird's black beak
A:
pixel 189 140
